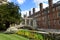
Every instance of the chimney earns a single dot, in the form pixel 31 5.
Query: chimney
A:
pixel 33 10
pixel 50 2
pixel 41 7
pixel 29 13
pixel 50 5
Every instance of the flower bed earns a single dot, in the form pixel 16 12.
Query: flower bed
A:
pixel 30 34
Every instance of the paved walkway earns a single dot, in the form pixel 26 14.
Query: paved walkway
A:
pixel 57 31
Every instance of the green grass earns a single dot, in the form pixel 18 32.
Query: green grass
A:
pixel 11 37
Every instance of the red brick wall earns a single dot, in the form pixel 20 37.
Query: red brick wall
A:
pixel 53 16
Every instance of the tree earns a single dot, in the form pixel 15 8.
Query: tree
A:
pixel 9 14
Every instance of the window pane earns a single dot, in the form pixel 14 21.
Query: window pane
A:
pixel 58 14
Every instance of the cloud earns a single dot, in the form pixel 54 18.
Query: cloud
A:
pixel 9 0
pixel 54 1
pixel 45 2
pixel 21 1
pixel 37 9
pixel 45 5
pixel 25 12
pixel 39 1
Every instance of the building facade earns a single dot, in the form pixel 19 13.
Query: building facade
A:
pixel 48 18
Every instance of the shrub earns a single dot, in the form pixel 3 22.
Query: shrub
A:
pixel 30 34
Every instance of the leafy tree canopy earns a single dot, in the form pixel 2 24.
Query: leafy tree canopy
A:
pixel 9 14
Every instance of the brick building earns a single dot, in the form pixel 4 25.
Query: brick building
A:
pixel 48 18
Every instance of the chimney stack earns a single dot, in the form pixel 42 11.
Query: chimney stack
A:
pixel 50 5
pixel 41 7
pixel 33 10
pixel 50 2
pixel 29 13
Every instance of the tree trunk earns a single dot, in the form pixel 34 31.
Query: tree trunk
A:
pixel 7 24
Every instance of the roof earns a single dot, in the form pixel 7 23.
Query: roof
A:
pixel 34 14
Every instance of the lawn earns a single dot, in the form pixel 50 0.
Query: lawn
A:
pixel 11 37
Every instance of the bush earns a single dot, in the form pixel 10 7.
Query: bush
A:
pixel 30 34
pixel 2 27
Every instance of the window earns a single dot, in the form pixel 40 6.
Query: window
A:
pixel 59 21
pixel 48 11
pixel 45 22
pixel 31 22
pixel 45 17
pixel 53 9
pixel 42 18
pixel 54 16
pixel 59 14
pixel 45 12
pixel 54 22
pixel 27 22
pixel 48 22
pixel 48 17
